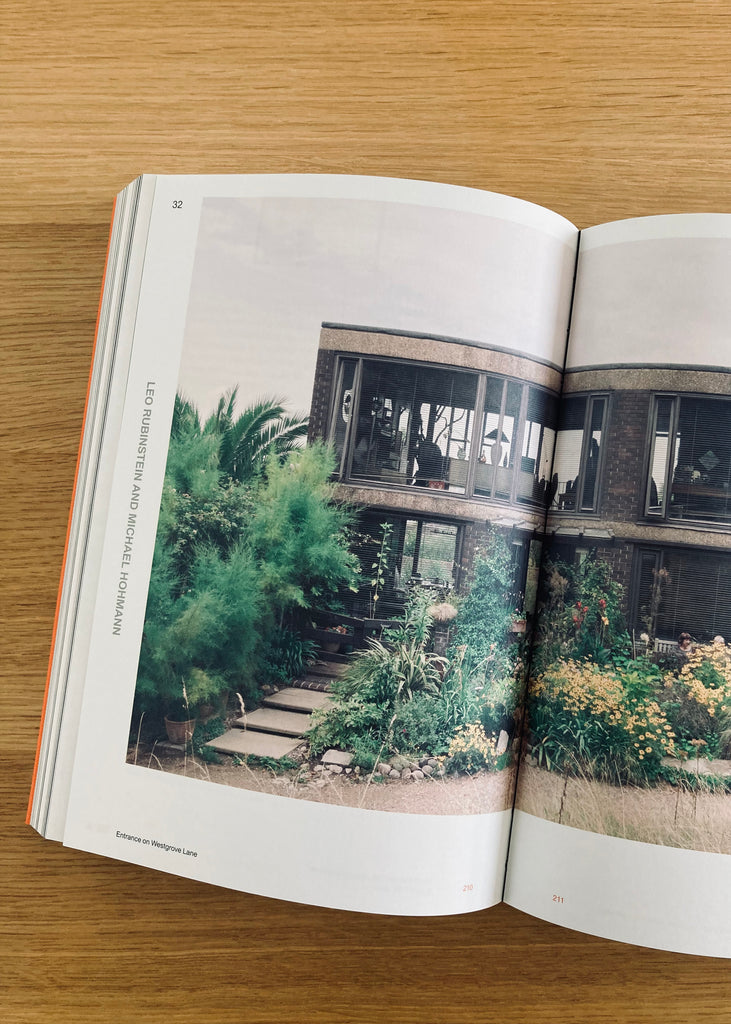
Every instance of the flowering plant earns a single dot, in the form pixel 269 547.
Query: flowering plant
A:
pixel 472 749
pixel 587 717
pixel 699 699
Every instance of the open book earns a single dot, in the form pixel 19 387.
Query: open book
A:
pixel 399 565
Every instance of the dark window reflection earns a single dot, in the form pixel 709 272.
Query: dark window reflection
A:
pixel 420 426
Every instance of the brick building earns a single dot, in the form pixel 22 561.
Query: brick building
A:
pixel 442 439
pixel 643 476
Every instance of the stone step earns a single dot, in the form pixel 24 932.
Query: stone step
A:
pixel 319 683
pixel 330 669
pixel 294 699
pixel 258 744
pixel 288 723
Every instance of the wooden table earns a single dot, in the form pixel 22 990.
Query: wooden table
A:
pixel 599 111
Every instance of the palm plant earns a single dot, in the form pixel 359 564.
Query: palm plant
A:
pixel 262 431
pixel 244 442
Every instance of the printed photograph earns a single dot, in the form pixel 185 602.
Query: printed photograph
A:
pixel 341 597
pixel 629 718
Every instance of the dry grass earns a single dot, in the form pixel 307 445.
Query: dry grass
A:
pixel 481 793
pixel 662 815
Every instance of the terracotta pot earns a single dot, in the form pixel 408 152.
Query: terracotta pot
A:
pixel 180 732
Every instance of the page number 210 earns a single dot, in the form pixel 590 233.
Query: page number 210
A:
pixel 177 204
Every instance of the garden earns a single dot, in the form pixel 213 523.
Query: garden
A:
pixel 256 570
pixel 609 714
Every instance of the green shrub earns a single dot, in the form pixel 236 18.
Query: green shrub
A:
pixel 482 637
pixel 381 681
pixel 287 657
pixel 420 726
pixel 249 540
pixel 298 536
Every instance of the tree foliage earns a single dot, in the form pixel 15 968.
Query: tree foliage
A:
pixel 485 616
pixel 248 536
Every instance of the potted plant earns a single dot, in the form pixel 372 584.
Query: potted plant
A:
pixel 334 645
pixel 180 722
pixel 198 694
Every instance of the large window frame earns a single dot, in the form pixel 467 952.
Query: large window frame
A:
pixel 663 476
pixel 573 501
pixel 681 611
pixel 470 476
pixel 408 561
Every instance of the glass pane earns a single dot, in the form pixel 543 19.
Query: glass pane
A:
pixel 593 451
pixel 491 450
pixel 660 454
pixel 701 480
pixel 505 460
pixel 378 539
pixel 343 407
pixel 428 553
pixel 537 448
pixel 436 556
pixel 568 453
pixel 647 578
pixel 417 554
pixel 444 425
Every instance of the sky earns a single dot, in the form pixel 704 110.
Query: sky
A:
pixel 269 271
pixel 654 290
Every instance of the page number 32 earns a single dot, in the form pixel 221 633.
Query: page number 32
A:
pixel 177 204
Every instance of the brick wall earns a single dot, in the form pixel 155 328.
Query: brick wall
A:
pixel 619 556
pixel 623 478
pixel 321 395
pixel 474 535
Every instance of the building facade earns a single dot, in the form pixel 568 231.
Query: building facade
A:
pixel 643 478
pixel 439 440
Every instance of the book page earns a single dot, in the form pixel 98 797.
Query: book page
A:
pixel 623 827
pixel 340 416
pixel 102 419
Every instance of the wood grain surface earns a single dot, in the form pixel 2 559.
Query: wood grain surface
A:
pixel 599 111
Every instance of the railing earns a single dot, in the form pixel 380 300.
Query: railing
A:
pixel 356 630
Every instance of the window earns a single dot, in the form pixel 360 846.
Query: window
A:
pixel 468 433
pixel 539 437
pixel 412 421
pixel 689 473
pixel 419 553
pixel 579 449
pixel 683 591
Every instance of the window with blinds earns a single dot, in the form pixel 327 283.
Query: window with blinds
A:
pixel 690 459
pixel 467 433
pixel 683 591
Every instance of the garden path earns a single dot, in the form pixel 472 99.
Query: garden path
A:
pixel 700 766
pixel 276 728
